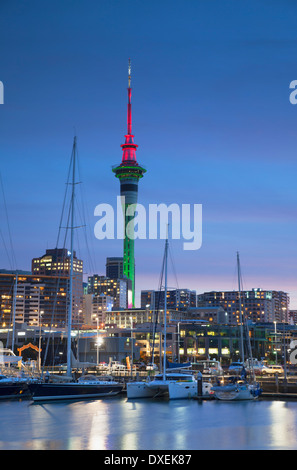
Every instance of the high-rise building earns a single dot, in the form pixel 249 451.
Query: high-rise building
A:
pixel 95 308
pixel 116 288
pixel 178 299
pixel 114 268
pixel 56 262
pixel 258 305
pixel 39 300
pixel 129 173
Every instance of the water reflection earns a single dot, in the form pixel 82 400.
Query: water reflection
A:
pixel 283 425
pixel 119 424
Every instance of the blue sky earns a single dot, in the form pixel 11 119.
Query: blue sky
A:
pixel 211 116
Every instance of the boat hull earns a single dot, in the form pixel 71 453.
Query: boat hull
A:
pixel 174 390
pixel 14 391
pixel 181 390
pixel 139 390
pixel 71 391
pixel 234 393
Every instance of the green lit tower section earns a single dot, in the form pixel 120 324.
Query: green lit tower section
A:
pixel 129 173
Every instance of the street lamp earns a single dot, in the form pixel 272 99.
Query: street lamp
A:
pixel 98 341
pixel 39 342
pixel 275 335
pixel 98 344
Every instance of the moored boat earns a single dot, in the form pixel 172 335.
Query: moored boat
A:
pixel 83 389
pixel 172 386
pixel 240 390
pixel 13 387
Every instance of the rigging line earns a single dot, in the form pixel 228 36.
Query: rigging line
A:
pixel 173 266
pixel 58 285
pixel 235 278
pixel 54 307
pixel 6 250
pixel 84 221
pixel 86 239
pixel 158 308
pixel 85 226
pixel 8 225
pixel 64 201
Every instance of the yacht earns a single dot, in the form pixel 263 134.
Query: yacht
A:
pixel 13 387
pixel 239 390
pixel 84 388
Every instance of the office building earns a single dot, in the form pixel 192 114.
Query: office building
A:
pixel 117 288
pixel 178 299
pixel 56 262
pixel 95 308
pixel 258 305
pixel 114 268
pixel 38 299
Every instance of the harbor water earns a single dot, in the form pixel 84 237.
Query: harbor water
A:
pixel 119 424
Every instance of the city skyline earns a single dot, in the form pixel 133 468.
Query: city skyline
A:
pixel 211 116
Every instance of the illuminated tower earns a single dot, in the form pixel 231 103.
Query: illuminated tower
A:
pixel 129 172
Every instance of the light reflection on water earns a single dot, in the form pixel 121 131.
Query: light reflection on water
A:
pixel 119 424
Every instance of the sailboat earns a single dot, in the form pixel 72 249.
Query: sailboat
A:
pixel 174 385
pixel 85 387
pixel 240 389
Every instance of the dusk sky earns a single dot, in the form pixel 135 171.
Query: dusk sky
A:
pixel 211 116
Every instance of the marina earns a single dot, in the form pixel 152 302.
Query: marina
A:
pixel 126 320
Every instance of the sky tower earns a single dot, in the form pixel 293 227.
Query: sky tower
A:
pixel 129 173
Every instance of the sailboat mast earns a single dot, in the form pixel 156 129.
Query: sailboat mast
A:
pixel 240 309
pixel 70 309
pixel 165 308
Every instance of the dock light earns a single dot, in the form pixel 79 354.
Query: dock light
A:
pixel 99 342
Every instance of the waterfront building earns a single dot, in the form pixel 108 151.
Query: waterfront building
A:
pixel 129 172
pixel 257 304
pixel 117 288
pixel 199 341
pixel 109 348
pixel 143 334
pixel 209 314
pixel 38 300
pixel 124 318
pixel 56 262
pixel 178 299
